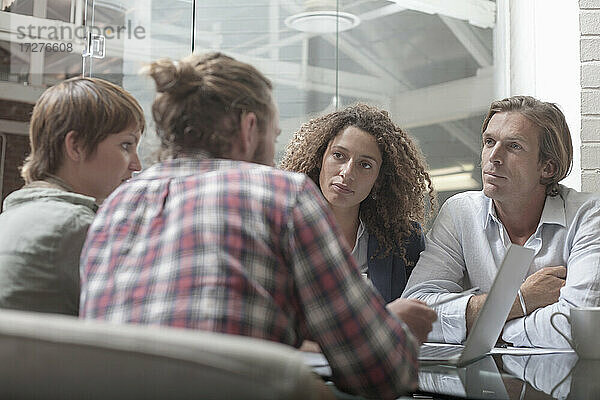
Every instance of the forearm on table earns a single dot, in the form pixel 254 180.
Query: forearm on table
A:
pixel 476 302
pixel 473 307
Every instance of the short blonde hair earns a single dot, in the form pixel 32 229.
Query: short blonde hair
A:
pixel 92 107
pixel 555 137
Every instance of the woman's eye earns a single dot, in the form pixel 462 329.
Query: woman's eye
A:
pixel 337 155
pixel 126 146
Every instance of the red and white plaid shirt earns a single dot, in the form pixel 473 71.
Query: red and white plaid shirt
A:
pixel 244 249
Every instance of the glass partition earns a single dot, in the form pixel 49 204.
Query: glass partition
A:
pixel 126 35
pixel 429 63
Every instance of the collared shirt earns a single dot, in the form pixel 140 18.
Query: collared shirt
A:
pixel 359 252
pixel 467 244
pixel 243 249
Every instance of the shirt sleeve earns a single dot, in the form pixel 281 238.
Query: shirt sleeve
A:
pixel 370 351
pixel 439 273
pixel 582 288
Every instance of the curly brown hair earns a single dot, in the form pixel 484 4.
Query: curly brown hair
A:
pixel 396 200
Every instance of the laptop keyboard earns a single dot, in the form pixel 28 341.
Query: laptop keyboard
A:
pixel 439 352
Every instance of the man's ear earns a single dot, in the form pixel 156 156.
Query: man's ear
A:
pixel 248 134
pixel 549 169
pixel 73 148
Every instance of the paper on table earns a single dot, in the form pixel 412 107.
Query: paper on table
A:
pixel 314 359
pixel 317 362
pixel 525 351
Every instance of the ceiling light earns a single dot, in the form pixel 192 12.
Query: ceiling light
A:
pixel 452 170
pixel 454 178
pixel 322 21
pixel 455 182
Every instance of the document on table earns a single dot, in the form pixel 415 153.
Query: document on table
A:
pixel 527 351
pixel 314 359
pixel 317 362
pixel 515 351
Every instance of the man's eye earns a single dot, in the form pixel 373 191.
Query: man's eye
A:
pixel 337 155
pixel 488 142
pixel 516 146
pixel 366 165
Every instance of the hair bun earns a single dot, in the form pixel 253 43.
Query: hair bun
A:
pixel 175 78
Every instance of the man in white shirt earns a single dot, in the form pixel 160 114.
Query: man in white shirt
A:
pixel 526 151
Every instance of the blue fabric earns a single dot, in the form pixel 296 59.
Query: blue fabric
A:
pixel 389 274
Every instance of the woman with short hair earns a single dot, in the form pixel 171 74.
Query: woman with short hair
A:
pixel 83 136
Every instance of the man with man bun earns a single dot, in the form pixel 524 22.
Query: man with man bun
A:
pixel 214 238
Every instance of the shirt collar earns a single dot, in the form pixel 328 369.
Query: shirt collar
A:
pixel 553 212
pixel 193 165
pixel 50 182
pixel 361 229
pixel 491 212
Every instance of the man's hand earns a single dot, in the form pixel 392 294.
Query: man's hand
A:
pixel 310 347
pixel 415 314
pixel 539 290
pixel 543 287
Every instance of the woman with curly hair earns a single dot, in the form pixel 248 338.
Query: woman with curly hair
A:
pixel 373 177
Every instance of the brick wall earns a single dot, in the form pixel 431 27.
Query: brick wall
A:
pixel 589 19
pixel 17 148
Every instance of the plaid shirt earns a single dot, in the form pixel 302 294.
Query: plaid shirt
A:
pixel 243 249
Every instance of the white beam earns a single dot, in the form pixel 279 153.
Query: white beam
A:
pixel 480 13
pixel 288 41
pixel 381 12
pixel 449 101
pixel 460 132
pixel 14 127
pixel 363 57
pixel 16 28
pixel 298 37
pixel 465 35
pixel 19 92
pixel 455 182
pixel 180 31
pixel 318 78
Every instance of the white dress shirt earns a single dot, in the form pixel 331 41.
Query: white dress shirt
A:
pixel 359 252
pixel 467 243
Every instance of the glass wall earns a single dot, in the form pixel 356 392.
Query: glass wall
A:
pixel 429 63
pixel 430 66
pixel 129 34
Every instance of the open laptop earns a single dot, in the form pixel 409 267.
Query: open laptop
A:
pixel 491 318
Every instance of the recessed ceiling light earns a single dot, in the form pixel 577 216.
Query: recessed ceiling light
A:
pixel 322 21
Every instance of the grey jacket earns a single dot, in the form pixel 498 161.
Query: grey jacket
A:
pixel 42 231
